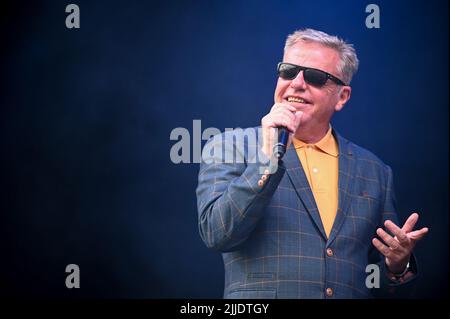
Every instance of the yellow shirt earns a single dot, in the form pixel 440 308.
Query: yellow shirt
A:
pixel 320 163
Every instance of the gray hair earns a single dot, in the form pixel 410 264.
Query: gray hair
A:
pixel 348 64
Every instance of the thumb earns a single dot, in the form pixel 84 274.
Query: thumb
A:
pixel 298 117
pixel 289 140
pixel 418 234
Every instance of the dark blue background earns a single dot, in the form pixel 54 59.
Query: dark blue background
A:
pixel 86 117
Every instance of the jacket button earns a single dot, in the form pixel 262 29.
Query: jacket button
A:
pixel 329 292
pixel 266 172
pixel 329 252
pixel 260 183
pixel 264 177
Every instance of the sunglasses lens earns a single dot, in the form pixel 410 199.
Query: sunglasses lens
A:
pixel 288 72
pixel 312 76
pixel 315 77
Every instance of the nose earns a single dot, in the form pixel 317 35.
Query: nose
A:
pixel 298 82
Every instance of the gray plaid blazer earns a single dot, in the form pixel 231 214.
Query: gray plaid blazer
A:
pixel 271 236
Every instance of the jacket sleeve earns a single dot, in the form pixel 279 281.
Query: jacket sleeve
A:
pixel 232 195
pixel 389 288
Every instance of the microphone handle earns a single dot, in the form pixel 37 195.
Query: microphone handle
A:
pixel 279 148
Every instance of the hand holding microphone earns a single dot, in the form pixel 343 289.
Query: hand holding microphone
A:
pixel 286 118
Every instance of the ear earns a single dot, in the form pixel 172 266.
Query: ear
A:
pixel 344 96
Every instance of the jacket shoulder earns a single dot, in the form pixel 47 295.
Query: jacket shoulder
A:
pixel 360 153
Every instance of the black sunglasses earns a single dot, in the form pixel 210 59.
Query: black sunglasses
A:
pixel 312 76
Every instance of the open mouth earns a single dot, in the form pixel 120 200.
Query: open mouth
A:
pixel 295 99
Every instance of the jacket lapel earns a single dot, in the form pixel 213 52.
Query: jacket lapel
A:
pixel 345 184
pixel 298 178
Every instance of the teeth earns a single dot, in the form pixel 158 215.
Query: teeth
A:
pixel 296 99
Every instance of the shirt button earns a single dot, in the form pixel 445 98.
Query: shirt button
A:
pixel 329 292
pixel 329 252
pixel 315 170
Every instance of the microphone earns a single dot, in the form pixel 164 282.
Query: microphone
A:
pixel 280 147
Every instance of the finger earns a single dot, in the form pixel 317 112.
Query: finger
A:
pixel 383 249
pixel 284 112
pixel 286 115
pixel 418 234
pixel 394 229
pixel 283 106
pixel 288 122
pixel 281 121
pixel 388 239
pixel 410 223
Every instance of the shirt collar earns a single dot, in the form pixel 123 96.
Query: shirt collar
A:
pixel 327 144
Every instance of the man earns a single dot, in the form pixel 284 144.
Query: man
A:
pixel 310 228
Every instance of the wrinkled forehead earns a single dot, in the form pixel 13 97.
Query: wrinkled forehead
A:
pixel 313 55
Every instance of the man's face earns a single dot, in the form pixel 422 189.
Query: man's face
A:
pixel 319 102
